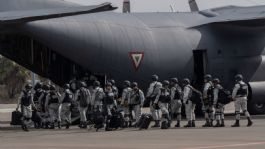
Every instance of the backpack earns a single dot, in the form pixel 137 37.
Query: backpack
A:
pixel 196 96
pixel 224 96
pixel 83 97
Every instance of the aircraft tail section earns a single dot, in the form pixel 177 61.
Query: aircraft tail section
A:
pixel 126 6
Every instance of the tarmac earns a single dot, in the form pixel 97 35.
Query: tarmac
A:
pixel 153 138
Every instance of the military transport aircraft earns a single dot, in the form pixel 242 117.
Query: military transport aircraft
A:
pixel 59 40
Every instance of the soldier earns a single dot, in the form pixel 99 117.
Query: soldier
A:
pixel 152 92
pixel 114 88
pixel 97 97
pixel 136 101
pixel 73 84
pixel 26 102
pixel 163 99
pixel 239 95
pixel 109 103
pixel 84 98
pixel 37 101
pixel 38 92
pixel 44 112
pixel 219 108
pixel 67 99
pixel 54 105
pixel 176 103
pixel 208 101
pixel 189 105
pixel 125 103
pixel 109 99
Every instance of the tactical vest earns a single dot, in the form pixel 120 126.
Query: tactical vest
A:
pixel 177 94
pixel 115 91
pixel 210 91
pixel 68 98
pixel 97 95
pixel 43 101
pixel 83 95
pixel 37 94
pixel 53 98
pixel 136 99
pixel 164 96
pixel 243 90
pixel 26 99
pixel 109 98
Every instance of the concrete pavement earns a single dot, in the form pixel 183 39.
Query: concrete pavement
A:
pixel 181 138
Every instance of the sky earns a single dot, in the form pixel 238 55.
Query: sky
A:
pixel 164 5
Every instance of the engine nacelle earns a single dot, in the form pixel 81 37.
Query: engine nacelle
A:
pixel 256 102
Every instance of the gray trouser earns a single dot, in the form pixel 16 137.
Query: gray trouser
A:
pixel 208 112
pixel 66 112
pixel 219 111
pixel 176 108
pixel 127 113
pixel 137 112
pixel 109 108
pixel 44 117
pixel 55 112
pixel 241 103
pixel 82 111
pixel 97 106
pixel 26 114
pixel 164 110
pixel 189 109
pixel 26 111
pixel 154 112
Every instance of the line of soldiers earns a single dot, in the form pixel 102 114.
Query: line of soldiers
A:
pixel 167 97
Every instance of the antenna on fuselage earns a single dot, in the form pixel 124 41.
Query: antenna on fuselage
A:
pixel 193 5
pixel 172 9
pixel 126 6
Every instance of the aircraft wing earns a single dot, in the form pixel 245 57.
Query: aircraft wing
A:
pixel 10 17
pixel 243 16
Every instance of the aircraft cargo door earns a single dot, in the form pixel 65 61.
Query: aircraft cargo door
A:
pixel 200 67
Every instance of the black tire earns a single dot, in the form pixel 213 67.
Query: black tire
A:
pixel 256 108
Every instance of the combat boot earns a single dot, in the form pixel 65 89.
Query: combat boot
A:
pixel 52 126
pixel 207 124
pixel 217 124
pixel 67 125
pixel 46 125
pixel 164 125
pixel 250 123
pixel 178 124
pixel 126 125
pixel 25 128
pixel 189 124
pixel 157 124
pixel 211 123
pixel 193 123
pixel 59 125
pixel 85 125
pixel 236 124
pixel 222 123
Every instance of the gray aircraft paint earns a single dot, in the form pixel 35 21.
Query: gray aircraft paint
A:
pixel 102 42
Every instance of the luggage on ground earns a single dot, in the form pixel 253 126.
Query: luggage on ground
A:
pixel 16 118
pixel 144 121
